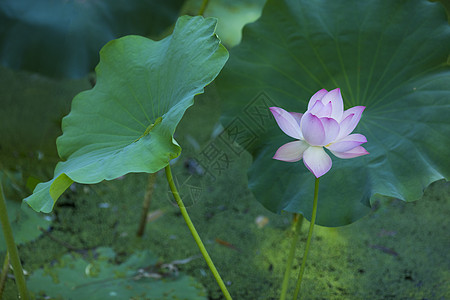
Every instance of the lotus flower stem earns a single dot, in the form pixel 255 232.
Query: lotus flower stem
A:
pixel 298 220
pixel 308 241
pixel 194 233
pixel 12 249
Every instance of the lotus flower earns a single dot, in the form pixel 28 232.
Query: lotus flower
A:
pixel 324 124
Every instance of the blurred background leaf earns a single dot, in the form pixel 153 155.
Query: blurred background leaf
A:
pixel 62 38
pixel 232 15
pixel 31 109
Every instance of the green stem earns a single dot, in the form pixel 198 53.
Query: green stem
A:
pixel 12 249
pixel 308 241
pixel 203 7
pixel 146 204
pixel 298 220
pixel 5 270
pixel 194 233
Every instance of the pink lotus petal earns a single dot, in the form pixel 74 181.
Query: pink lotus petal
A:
pixel 337 104
pixel 286 122
pixel 324 124
pixel 298 117
pixel 317 161
pixel 316 108
pixel 291 152
pixel 326 111
pixel 345 125
pixel 355 152
pixel 312 129
pixel 320 110
pixel 331 127
pixel 350 119
pixel 348 143
pixel 317 96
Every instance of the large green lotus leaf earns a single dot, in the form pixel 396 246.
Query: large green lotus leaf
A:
pixel 62 38
pixel 139 277
pixel 390 56
pixel 126 122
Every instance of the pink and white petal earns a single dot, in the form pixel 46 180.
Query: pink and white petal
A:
pixel 298 117
pixel 320 110
pixel 355 152
pixel 327 109
pixel 337 104
pixel 344 126
pixel 350 119
pixel 355 137
pixel 357 110
pixel 348 143
pixel 316 108
pixel 291 152
pixel 331 127
pixel 286 122
pixel 312 129
pixel 317 96
pixel 317 161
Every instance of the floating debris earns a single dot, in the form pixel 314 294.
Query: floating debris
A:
pixel 154 215
pixel 261 221
pixel 104 205
pixel 226 244
pixel 384 249
pixel 49 218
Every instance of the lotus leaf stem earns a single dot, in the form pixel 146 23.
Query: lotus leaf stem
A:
pixel 12 249
pixel 146 204
pixel 194 233
pixel 203 7
pixel 4 274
